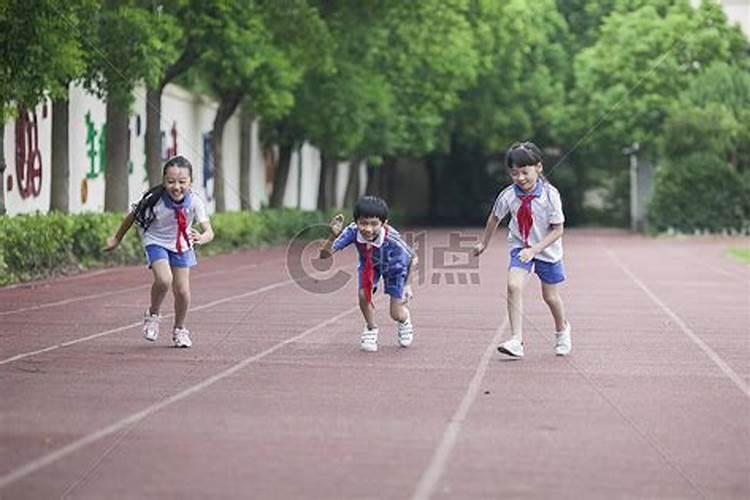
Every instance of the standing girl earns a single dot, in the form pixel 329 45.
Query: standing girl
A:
pixel 534 235
pixel 164 216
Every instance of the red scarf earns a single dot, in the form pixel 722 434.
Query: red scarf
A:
pixel 525 217
pixel 180 215
pixel 368 272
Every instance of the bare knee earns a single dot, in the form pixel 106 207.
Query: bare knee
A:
pixel 515 287
pixel 398 310
pixel 162 283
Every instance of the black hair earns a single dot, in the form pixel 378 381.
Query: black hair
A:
pixel 523 154
pixel 144 209
pixel 371 206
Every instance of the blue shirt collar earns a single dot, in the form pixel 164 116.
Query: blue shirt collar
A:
pixel 537 191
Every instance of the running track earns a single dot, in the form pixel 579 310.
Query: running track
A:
pixel 276 401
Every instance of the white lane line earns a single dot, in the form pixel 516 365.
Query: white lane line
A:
pixel 197 276
pixel 70 301
pixel 54 281
pixel 133 419
pixel 712 355
pixel 435 470
pixel 132 325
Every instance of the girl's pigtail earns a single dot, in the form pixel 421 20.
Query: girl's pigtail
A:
pixel 144 210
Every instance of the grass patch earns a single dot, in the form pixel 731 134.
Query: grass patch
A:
pixel 741 254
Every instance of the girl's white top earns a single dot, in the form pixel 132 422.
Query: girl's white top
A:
pixel 546 209
pixel 163 230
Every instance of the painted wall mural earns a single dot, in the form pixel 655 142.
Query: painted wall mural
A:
pixel 28 156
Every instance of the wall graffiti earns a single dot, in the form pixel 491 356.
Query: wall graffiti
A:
pixel 28 156
pixel 168 152
pixel 95 147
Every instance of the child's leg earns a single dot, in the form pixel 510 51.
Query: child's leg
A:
pixel 551 295
pixel 516 283
pixel 399 311
pixel 162 280
pixel 181 291
pixel 368 310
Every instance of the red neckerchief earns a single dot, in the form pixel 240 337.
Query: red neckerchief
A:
pixel 368 272
pixel 179 213
pixel 525 217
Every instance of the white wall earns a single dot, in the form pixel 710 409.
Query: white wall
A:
pixel 186 120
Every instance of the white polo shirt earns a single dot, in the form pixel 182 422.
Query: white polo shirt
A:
pixel 163 230
pixel 546 209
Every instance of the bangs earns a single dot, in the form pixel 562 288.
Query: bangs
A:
pixel 523 155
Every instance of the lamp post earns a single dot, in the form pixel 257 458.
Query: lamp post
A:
pixel 635 215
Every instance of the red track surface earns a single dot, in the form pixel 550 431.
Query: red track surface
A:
pixel 275 400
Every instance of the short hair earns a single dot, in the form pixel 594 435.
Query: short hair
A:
pixel 523 154
pixel 371 206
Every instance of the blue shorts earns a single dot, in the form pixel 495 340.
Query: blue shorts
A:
pixel 550 273
pixel 393 283
pixel 156 252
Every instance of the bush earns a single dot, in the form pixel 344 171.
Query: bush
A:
pixel 700 193
pixel 37 246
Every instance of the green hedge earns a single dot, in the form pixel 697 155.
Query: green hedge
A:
pixel 38 246
pixel 700 193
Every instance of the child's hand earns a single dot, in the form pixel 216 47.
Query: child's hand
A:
pixel 196 238
pixel 478 249
pixel 526 255
pixel 408 294
pixel 336 224
pixel 111 244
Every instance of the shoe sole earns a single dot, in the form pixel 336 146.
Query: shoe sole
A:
pixel 503 350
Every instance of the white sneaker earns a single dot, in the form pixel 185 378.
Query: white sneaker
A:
pixel 512 347
pixel 369 340
pixel 405 333
pixel 151 325
pixel 563 344
pixel 181 338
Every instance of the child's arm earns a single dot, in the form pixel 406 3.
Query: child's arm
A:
pixel 201 238
pixel 116 238
pixel 489 229
pixel 408 292
pixel 336 225
pixel 556 231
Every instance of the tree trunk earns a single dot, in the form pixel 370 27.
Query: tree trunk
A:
pixel 153 114
pixel 352 184
pixel 281 176
pixel 3 210
pixel 116 168
pixel 432 179
pixel 246 124
pixel 227 106
pixel 327 184
pixel 388 178
pixel 60 167
pixel 153 135
pixel 373 179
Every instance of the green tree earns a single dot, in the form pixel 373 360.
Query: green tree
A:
pixel 40 53
pixel 704 180
pixel 129 49
pixel 519 92
pixel 261 53
pixel 626 83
